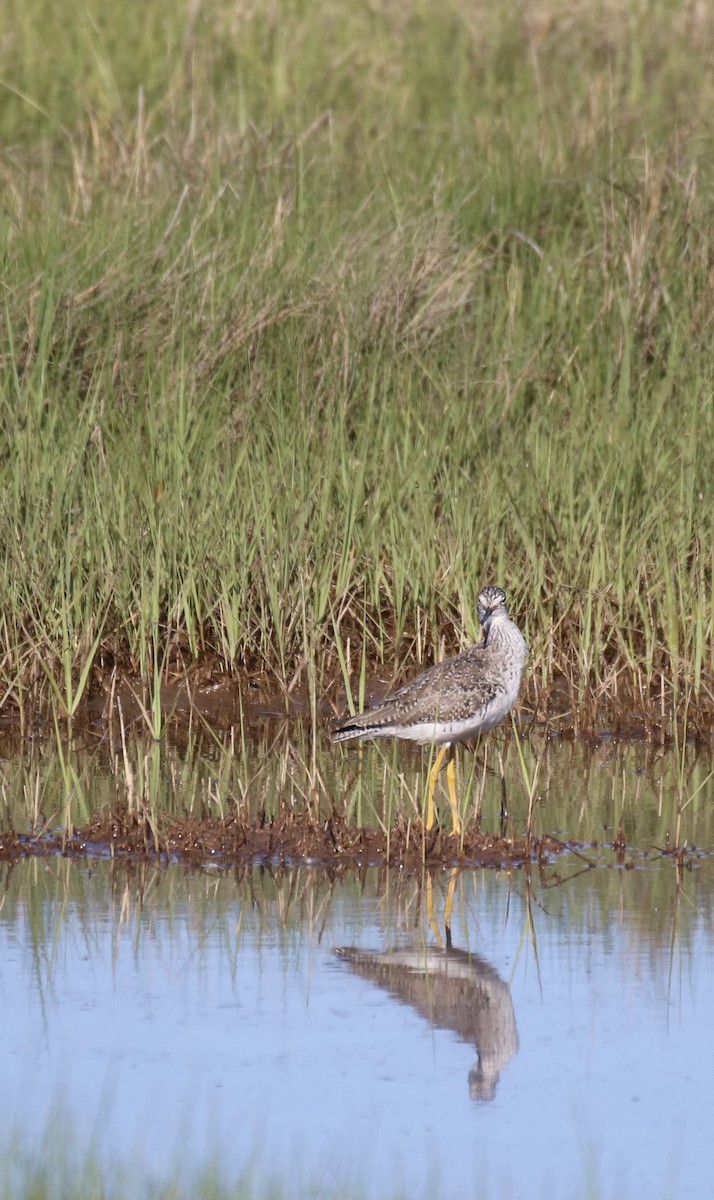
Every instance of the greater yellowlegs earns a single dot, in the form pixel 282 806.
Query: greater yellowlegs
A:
pixel 454 700
pixel 453 989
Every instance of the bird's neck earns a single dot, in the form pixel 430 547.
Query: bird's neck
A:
pixel 495 626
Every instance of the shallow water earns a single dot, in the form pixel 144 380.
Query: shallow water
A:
pixel 177 1018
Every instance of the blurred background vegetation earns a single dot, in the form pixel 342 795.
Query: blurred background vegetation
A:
pixel 317 318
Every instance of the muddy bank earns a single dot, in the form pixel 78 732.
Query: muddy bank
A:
pixel 205 694
pixel 290 839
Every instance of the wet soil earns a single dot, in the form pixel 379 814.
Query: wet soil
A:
pixel 289 839
pixel 206 693
pixel 207 698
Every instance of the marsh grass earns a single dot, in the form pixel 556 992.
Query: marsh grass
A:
pixel 66 1169
pixel 301 347
pixel 637 802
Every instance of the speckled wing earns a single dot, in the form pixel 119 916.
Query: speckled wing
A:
pixel 450 690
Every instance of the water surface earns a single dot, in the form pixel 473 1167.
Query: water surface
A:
pixel 178 1017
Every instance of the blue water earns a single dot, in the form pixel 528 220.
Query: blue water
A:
pixel 173 1019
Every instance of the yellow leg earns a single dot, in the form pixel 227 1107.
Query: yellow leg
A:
pixel 431 915
pixel 448 907
pixel 433 776
pixel 457 823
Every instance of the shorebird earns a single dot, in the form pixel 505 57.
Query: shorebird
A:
pixel 455 699
pixel 453 989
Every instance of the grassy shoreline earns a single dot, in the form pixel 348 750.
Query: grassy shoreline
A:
pixel 299 349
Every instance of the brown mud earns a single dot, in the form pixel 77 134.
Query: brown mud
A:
pixel 285 840
pixel 207 693
pixel 207 699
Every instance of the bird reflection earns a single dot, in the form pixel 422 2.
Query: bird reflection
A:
pixel 453 989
